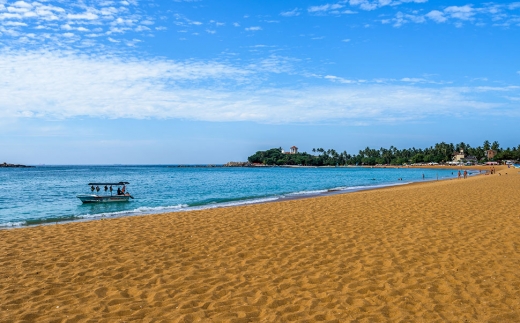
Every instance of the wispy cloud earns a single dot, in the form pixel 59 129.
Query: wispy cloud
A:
pixel 254 28
pixel 375 4
pixel 325 8
pixel 437 16
pixel 460 12
pixel 489 13
pixel 42 21
pixel 62 84
pixel 403 18
pixel 500 15
pixel 291 13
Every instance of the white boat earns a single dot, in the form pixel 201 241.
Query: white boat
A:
pixel 121 195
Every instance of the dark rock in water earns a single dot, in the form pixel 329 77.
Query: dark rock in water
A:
pixel 14 165
pixel 238 164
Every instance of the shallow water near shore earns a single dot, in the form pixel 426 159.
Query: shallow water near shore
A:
pixel 47 194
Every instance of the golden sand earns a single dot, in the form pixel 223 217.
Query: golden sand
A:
pixel 443 251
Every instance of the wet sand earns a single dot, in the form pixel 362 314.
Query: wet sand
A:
pixel 444 251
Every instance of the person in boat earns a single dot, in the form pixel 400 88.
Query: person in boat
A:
pixel 118 191
pixel 97 188
pixel 106 188
pixel 92 188
pixel 123 190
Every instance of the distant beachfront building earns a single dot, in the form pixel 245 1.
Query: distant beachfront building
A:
pixel 458 156
pixel 293 151
pixel 471 159
pixel 490 154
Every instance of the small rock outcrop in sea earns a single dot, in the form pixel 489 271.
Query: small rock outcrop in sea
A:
pixel 14 165
pixel 238 164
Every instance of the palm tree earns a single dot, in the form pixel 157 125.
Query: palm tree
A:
pixel 486 145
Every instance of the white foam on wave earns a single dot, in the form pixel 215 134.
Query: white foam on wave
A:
pixel 139 210
pixel 344 189
pixel 176 208
pixel 314 192
pixel 12 224
pixel 234 203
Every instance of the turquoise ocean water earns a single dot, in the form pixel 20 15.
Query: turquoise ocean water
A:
pixel 47 194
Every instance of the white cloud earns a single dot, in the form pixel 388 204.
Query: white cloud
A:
pixel 402 18
pixel 66 85
pixel 514 5
pixel 325 7
pixel 142 28
pixel 254 28
pixel 83 16
pixel 436 16
pixel 22 4
pixel 497 15
pixel 25 20
pixel 460 12
pixel 346 40
pixel 339 79
pixel 7 15
pixel 372 5
pixel 15 24
pixel 292 13
pixel 413 80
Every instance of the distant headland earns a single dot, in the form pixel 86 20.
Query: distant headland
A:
pixel 14 165
pixel 438 154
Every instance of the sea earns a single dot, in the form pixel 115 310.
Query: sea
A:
pixel 47 194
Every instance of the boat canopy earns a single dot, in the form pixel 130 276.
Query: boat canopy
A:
pixel 97 184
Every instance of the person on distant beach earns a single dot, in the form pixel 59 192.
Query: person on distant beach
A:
pixel 458 175
pixel 465 174
pixel 422 176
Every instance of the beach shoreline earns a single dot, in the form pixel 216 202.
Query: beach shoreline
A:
pixel 259 200
pixel 433 251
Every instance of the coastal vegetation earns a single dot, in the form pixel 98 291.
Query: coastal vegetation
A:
pixel 438 153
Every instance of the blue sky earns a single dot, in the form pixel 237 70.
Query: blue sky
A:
pixel 159 82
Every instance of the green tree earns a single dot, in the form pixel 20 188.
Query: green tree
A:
pixel 486 145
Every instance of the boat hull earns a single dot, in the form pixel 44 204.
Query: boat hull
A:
pixel 85 198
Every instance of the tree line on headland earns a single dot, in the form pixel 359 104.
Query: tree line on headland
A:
pixel 439 153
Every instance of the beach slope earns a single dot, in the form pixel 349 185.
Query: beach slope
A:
pixel 443 251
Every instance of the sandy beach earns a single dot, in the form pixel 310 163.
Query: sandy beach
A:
pixel 444 251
